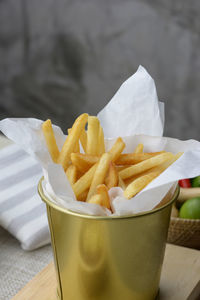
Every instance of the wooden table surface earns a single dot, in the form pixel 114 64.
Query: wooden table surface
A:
pixel 180 278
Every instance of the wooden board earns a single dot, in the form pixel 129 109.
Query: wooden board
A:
pixel 180 278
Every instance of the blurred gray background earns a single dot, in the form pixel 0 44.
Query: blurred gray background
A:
pixel 59 58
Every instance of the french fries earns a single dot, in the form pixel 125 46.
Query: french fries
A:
pixel 84 161
pixel 117 149
pixel 83 139
pixel 72 139
pixel 102 190
pixel 145 165
pixel 121 183
pixel 138 184
pixel 112 176
pixel 139 148
pixel 95 171
pixel 96 199
pixel 50 140
pixel 76 147
pixel 84 181
pixel 71 174
pixel 92 136
pixel 134 158
pixel 100 173
pixel 101 144
pixel 102 197
pixel 83 196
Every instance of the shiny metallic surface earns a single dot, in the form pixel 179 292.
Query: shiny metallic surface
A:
pixel 108 258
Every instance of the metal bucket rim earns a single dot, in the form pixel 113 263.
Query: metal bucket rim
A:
pixel 94 217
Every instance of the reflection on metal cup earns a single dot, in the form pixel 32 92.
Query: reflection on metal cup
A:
pixel 93 267
pixel 108 258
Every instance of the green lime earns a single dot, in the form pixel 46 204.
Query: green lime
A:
pixel 195 181
pixel 190 209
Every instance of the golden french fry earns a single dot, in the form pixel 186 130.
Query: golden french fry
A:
pixel 50 140
pixel 138 184
pixel 76 147
pixel 127 181
pixel 92 135
pixel 160 168
pixel 120 168
pixel 95 199
pixel 82 197
pixel 145 165
pixel 84 182
pixel 139 148
pixel 83 139
pixel 103 191
pixel 166 164
pixel 134 158
pixel 132 178
pixel 101 145
pixel 100 173
pixel 71 174
pixel 117 149
pixel 72 139
pixel 112 176
pixel 83 162
pixel 79 174
pixel 121 183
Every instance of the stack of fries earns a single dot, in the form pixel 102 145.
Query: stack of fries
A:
pixel 92 173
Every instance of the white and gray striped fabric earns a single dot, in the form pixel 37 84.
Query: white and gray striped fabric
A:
pixel 22 212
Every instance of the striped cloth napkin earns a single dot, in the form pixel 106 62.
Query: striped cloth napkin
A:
pixel 22 212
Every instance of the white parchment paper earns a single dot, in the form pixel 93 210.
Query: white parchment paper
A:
pixel 135 114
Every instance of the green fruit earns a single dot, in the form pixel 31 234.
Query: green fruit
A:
pixel 190 209
pixel 195 181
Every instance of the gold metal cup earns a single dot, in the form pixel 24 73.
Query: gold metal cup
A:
pixel 108 258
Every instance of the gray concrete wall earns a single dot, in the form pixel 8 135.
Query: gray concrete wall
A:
pixel 59 58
